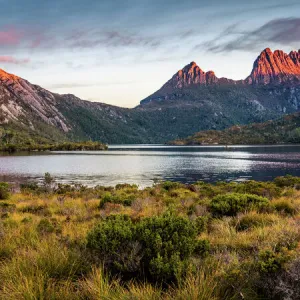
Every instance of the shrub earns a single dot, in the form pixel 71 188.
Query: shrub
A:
pixel 29 187
pixel 270 261
pixel 287 181
pixel 233 203
pixel 115 199
pixel 168 242
pixel 201 224
pixel 48 226
pixel 265 189
pixel 170 185
pixel 160 247
pixel 202 247
pixel 4 191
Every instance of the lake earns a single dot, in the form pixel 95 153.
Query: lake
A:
pixel 146 164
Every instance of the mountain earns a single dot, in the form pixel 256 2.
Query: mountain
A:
pixel 191 101
pixel 281 131
pixel 276 68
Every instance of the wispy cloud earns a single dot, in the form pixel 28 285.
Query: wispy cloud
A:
pixel 284 31
pixel 13 60
pixel 73 85
pixel 10 37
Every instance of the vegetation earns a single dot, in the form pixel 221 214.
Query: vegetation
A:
pixel 169 241
pixel 14 138
pixel 284 130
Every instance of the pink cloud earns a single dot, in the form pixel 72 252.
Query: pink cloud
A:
pixel 10 37
pixel 13 60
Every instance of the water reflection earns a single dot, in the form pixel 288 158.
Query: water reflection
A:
pixel 143 164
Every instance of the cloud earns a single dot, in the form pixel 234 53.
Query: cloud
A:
pixel 284 31
pixel 110 39
pixel 58 86
pixel 13 60
pixel 10 37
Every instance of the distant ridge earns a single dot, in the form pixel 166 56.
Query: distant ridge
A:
pixel 191 101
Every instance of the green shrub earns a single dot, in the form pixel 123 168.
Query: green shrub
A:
pixel 265 189
pixel 270 261
pixel 170 185
pixel 116 199
pixel 168 242
pixel 29 187
pixel 4 191
pixel 233 203
pixel 48 226
pixel 287 181
pixel 202 247
pixel 201 224
pixel 158 247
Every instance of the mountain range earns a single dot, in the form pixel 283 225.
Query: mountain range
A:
pixel 191 101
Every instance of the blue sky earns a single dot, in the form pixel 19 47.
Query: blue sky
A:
pixel 119 52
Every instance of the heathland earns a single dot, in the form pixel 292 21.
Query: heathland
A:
pixel 168 241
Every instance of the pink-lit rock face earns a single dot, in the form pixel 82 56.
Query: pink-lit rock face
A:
pixel 193 75
pixel 17 94
pixel 269 68
pixel 276 67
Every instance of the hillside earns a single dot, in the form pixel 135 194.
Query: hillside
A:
pixel 283 130
pixel 191 101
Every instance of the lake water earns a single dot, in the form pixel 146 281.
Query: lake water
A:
pixel 146 164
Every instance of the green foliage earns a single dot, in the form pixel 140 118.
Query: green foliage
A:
pixel 162 246
pixel 233 203
pixel 265 189
pixel 270 261
pixel 168 242
pixel 48 226
pixel 4 191
pixel 283 130
pixel 287 181
pixel 29 187
pixel 201 224
pixel 116 199
pixel 170 185
pixel 202 247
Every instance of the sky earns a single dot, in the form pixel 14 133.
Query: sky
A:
pixel 121 51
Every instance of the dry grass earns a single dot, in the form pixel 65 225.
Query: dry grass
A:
pixel 52 263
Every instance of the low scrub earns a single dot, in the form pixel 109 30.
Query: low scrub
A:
pixel 234 203
pixel 4 191
pixel 159 246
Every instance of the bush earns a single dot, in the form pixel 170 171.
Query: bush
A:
pixel 170 185
pixel 48 226
pixel 29 187
pixel 287 181
pixel 158 247
pixel 168 242
pixel 233 203
pixel 271 262
pixel 115 199
pixel 201 224
pixel 4 191
pixel 202 247
pixel 265 189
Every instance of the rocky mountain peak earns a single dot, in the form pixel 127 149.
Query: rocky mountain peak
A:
pixel 276 67
pixel 191 75
pixel 4 76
